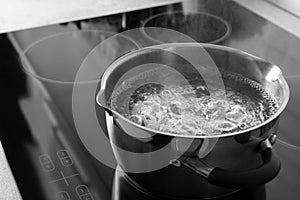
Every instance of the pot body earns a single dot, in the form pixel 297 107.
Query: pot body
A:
pixel 146 155
pixel 234 153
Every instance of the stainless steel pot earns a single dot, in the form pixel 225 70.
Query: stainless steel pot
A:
pixel 179 166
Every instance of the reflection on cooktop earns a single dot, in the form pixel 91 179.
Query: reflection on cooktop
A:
pixel 123 189
pixel 255 35
pixel 289 122
pixel 285 185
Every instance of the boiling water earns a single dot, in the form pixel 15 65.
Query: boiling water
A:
pixel 192 109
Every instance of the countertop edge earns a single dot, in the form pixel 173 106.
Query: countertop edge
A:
pixel 8 186
pixel 16 16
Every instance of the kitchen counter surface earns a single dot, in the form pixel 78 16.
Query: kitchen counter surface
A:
pixel 8 187
pixel 19 15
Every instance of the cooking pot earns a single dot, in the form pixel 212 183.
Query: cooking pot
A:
pixel 176 166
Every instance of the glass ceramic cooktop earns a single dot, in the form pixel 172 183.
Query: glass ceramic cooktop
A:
pixel 65 170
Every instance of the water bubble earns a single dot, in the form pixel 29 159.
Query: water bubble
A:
pixel 179 89
pixel 136 118
pixel 236 114
pixel 175 107
pixel 243 126
pixel 166 93
pixel 225 126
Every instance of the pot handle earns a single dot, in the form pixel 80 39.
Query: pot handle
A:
pixel 236 179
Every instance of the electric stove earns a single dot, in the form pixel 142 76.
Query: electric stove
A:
pixel 48 157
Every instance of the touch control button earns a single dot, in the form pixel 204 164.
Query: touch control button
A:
pixel 46 162
pixel 82 189
pixel 84 193
pixel 62 195
pixel 65 158
pixel 86 197
pixel 63 154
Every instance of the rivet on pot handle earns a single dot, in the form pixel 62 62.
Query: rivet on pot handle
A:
pixel 237 179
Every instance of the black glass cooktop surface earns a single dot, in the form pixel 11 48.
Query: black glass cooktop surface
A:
pixel 46 154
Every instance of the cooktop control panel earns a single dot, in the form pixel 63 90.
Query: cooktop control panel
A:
pixel 65 171
pixel 62 172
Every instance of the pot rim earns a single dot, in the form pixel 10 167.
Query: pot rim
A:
pixel 116 63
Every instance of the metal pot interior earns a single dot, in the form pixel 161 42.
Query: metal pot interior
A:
pixel 186 58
